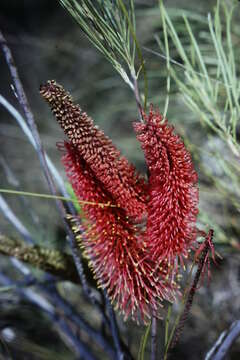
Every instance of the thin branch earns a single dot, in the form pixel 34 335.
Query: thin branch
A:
pixel 22 123
pixel 191 294
pixel 22 99
pixel 13 219
pixel 137 97
pixel 13 181
pixel 223 344
pixel 71 314
pixel 114 329
pixel 154 338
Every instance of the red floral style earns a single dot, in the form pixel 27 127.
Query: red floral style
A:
pixel 135 262
pixel 173 194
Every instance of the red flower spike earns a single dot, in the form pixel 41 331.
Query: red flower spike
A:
pixel 173 194
pixel 118 177
pixel 135 267
pixel 115 248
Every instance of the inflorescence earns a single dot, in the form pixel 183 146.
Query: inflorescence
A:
pixel 136 261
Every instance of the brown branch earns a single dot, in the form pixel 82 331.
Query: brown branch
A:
pixel 191 294
pixel 154 338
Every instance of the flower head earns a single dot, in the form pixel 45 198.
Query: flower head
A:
pixel 134 261
pixel 172 206
pixel 115 248
pixel 114 171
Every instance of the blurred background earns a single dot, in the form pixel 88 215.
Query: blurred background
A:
pixel 48 44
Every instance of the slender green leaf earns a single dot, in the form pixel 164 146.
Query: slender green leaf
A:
pixel 143 342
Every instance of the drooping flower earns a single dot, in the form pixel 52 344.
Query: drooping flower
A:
pixel 117 175
pixel 173 194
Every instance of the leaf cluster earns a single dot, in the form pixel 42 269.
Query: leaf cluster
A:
pixel 109 27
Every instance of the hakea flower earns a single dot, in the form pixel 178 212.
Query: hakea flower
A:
pixel 173 194
pixel 115 248
pixel 134 264
pixel 118 177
